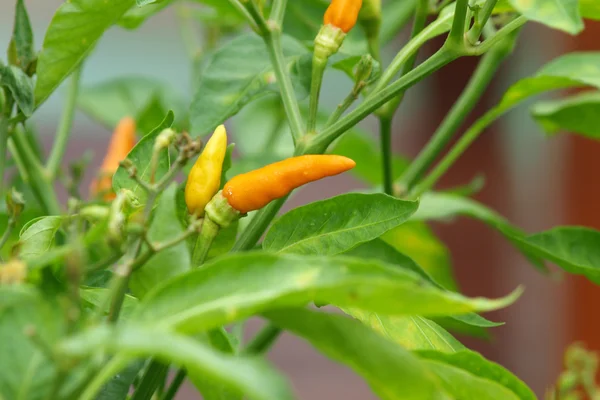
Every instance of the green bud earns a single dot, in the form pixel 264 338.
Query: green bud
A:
pixel 15 203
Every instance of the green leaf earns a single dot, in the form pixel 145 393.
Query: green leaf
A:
pixel 224 87
pixel 21 51
pixel 140 157
pixel 73 32
pixel 557 14
pixel 337 224
pixel 137 15
pixel 237 286
pixel 364 150
pixel 379 250
pixel 443 206
pixel 567 71
pixel 28 373
pixel 95 297
pixel 108 102
pixel 590 9
pixel 412 333
pixel 170 262
pixel 20 86
pixel 574 249
pixel 38 238
pixel 466 374
pixel 417 241
pixel 578 114
pixel 391 371
pixel 244 375
pixel 119 386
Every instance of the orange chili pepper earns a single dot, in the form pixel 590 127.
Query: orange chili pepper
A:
pixel 255 189
pixel 343 14
pixel 121 143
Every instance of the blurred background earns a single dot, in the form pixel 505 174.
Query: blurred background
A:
pixel 535 181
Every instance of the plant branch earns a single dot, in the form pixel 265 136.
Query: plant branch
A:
pixel 485 14
pixel 38 179
pixel 175 385
pixel 256 17
pixel 3 146
pixel 385 133
pixel 242 10
pixel 468 99
pixel 288 96
pixel 263 340
pixel 457 32
pixel 64 128
pixel 319 143
pixel 278 11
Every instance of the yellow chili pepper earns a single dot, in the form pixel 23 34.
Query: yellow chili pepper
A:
pixel 121 143
pixel 255 189
pixel 343 14
pixel 205 177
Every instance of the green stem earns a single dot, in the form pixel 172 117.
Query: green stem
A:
pixel 278 11
pixel 318 69
pixel 509 29
pixel 6 235
pixel 290 104
pixel 64 128
pixel 40 182
pixel 457 32
pixel 175 385
pixel 405 54
pixel 468 99
pixel 341 109
pixel 454 154
pixel 207 235
pixel 241 9
pixel 257 17
pixel 259 224
pixel 150 381
pixel 109 370
pixel 263 340
pixel 319 143
pixel 485 14
pixel 3 145
pixel 385 129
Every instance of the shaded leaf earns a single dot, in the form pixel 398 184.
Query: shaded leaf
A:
pixel 224 87
pixel 20 86
pixel 574 249
pixel 391 371
pixel 95 297
pixel 251 376
pixel 140 157
pixel 412 333
pixel 466 374
pixel 237 286
pixel 578 114
pixel 73 32
pixel 443 206
pixel 27 371
pixel 37 238
pixel 417 241
pixel 170 262
pixel 108 102
pixel 337 224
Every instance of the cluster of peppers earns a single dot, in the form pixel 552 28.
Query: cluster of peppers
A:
pixel 240 195
pixel 253 190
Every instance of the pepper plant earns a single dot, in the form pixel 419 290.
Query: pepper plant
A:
pixel 153 272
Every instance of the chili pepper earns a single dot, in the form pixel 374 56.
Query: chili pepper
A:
pixel 255 189
pixel 121 143
pixel 343 14
pixel 204 179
